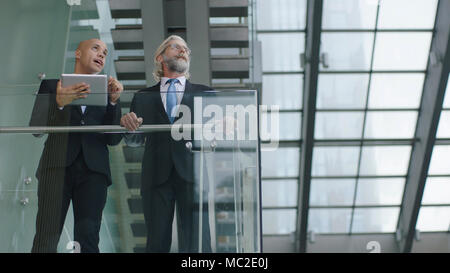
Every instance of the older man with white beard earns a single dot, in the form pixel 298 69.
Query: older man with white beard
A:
pixel 167 167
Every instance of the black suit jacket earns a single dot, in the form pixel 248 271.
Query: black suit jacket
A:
pixel 61 149
pixel 162 152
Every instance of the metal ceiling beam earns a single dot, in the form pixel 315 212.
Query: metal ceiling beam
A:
pixel 312 49
pixel 427 123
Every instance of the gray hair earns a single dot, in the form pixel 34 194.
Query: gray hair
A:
pixel 158 72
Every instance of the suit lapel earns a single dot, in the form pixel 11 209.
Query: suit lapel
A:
pixel 155 98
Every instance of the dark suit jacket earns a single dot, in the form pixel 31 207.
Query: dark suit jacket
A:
pixel 61 149
pixel 162 152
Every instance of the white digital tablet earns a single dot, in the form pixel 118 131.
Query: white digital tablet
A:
pixel 98 84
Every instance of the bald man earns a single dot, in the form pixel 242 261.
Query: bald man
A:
pixel 74 166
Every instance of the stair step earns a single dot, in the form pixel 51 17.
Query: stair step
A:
pixel 228 36
pixel 128 38
pixel 139 229
pixel 135 205
pixel 125 9
pixel 229 8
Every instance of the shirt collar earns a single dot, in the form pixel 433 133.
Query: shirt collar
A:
pixel 182 80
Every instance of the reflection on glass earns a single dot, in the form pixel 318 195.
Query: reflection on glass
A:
pixel 281 15
pixel 390 124
pixel 335 161
pixel 280 162
pixel 379 191
pixel 401 51
pixel 279 193
pixel 415 14
pixel 342 91
pixel 439 160
pixel 329 220
pixel 282 51
pixel 349 14
pixel 338 125
pixel 278 221
pixel 375 220
pixel 332 192
pixel 395 90
pixel 385 160
pixel 437 191
pixel 434 219
pixel 283 90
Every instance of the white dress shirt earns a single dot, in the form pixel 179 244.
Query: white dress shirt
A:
pixel 179 86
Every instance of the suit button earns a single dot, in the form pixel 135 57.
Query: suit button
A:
pixel 82 122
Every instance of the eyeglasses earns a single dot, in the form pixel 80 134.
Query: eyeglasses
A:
pixel 179 48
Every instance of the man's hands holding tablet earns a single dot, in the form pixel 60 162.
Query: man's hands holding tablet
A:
pixel 65 95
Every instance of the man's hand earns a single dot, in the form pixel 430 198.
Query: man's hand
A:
pixel 131 121
pixel 115 88
pixel 65 95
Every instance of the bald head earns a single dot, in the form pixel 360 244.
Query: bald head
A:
pixel 90 56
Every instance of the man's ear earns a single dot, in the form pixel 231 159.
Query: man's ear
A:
pixel 159 59
pixel 77 54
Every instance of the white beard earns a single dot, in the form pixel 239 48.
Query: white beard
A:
pixel 176 65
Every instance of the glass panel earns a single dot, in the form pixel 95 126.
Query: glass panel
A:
pixel 380 191
pixel 444 125
pixel 289 125
pixel 439 160
pixel 221 177
pixel 281 51
pixel 279 193
pixel 395 90
pixel 278 221
pixel 338 125
pixel 385 160
pixel 390 124
pixel 349 14
pixel 332 192
pixel 18 220
pixel 347 51
pixel 415 14
pixel 375 220
pixel 280 162
pixel 437 191
pixel 285 91
pixel 42 24
pixel 335 161
pixel 434 219
pixel 281 15
pixel 329 220
pixel 401 51
pixel 342 91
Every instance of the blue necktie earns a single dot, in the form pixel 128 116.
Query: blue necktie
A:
pixel 171 99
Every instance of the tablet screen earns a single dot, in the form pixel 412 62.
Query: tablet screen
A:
pixel 98 84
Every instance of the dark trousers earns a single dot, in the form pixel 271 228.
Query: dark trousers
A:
pixel 159 206
pixel 57 187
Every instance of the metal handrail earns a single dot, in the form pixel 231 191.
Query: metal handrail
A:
pixel 95 128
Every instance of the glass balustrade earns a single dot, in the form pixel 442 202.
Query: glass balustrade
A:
pixel 212 145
